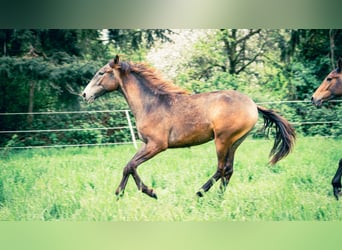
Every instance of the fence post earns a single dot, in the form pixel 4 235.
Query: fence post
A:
pixel 131 129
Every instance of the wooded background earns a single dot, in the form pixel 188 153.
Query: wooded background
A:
pixel 43 69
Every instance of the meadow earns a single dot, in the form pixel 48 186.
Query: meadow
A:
pixel 78 184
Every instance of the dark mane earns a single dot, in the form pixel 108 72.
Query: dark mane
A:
pixel 153 78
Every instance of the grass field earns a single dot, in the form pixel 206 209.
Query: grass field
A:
pixel 78 184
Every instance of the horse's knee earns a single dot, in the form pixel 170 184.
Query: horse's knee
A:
pixel 128 170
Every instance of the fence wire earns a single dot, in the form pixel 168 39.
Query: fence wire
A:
pixel 129 126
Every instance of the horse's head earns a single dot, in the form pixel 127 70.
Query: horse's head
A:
pixel 330 88
pixel 107 79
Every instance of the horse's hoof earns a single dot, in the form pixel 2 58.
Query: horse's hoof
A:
pixel 150 193
pixel 199 193
pixel 119 193
pixel 153 195
pixel 337 193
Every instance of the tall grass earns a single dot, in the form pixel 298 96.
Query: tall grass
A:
pixel 77 184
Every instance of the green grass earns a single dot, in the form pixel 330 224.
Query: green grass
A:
pixel 78 184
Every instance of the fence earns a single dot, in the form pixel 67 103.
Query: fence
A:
pixel 130 125
pixel 126 112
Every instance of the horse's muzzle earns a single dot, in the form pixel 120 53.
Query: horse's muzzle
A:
pixel 88 99
pixel 316 102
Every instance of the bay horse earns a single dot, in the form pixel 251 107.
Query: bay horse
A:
pixel 331 88
pixel 168 116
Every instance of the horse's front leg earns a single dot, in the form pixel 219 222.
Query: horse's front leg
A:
pixel 336 181
pixel 147 152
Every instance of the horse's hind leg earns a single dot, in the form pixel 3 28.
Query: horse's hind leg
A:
pixel 227 171
pixel 225 150
pixel 222 148
pixel 336 181
pixel 209 183
pixel 228 167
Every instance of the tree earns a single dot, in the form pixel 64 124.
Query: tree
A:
pixel 57 45
pixel 238 49
pixel 137 38
pixel 230 51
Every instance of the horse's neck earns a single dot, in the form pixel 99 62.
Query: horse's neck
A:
pixel 137 95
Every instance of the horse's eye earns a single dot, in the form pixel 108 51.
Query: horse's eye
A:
pixel 101 73
pixel 329 79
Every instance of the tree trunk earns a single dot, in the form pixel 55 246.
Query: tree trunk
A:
pixel 332 48
pixel 5 49
pixel 235 46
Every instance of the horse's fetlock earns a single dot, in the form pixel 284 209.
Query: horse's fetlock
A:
pixel 228 171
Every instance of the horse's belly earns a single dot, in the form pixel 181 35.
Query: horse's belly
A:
pixel 190 134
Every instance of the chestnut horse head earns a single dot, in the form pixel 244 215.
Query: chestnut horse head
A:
pixel 105 80
pixel 330 88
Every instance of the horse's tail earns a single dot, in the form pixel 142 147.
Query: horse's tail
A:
pixel 285 134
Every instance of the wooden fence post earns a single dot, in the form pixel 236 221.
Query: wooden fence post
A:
pixel 131 129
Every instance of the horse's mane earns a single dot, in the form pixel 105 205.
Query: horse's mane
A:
pixel 153 78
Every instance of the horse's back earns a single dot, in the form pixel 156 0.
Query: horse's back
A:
pixel 229 104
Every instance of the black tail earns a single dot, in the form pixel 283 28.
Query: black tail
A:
pixel 285 134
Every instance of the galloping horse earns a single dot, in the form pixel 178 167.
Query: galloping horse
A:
pixel 331 88
pixel 168 116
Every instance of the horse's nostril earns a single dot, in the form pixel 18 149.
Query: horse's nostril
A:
pixel 84 95
pixel 312 100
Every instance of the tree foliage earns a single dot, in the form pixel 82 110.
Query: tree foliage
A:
pixel 135 39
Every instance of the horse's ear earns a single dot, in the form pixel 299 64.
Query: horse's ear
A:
pixel 116 59
pixel 114 62
pixel 339 65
